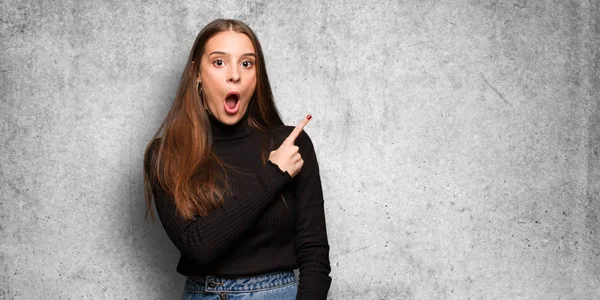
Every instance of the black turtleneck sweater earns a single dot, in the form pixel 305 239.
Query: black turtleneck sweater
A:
pixel 269 221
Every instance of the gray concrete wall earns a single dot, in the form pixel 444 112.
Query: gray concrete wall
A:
pixel 458 142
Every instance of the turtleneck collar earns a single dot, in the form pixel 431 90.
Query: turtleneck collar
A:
pixel 224 132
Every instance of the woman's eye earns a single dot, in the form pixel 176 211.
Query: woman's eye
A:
pixel 247 64
pixel 219 63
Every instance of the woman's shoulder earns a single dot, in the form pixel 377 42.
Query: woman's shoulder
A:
pixel 152 148
pixel 151 153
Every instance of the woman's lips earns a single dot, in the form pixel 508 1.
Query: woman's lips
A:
pixel 232 102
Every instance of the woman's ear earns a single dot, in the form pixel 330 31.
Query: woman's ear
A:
pixel 198 76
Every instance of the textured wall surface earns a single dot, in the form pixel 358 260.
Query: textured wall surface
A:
pixel 458 142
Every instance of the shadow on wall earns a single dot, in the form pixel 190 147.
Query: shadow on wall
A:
pixel 156 256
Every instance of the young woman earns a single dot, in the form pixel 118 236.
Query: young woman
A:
pixel 237 191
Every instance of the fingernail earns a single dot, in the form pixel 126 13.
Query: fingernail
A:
pixel 309 117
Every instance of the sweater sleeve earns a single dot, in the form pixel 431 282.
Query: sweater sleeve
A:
pixel 203 239
pixel 312 247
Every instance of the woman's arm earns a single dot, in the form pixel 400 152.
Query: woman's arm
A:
pixel 204 238
pixel 312 247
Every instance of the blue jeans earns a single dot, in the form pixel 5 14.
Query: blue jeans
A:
pixel 281 285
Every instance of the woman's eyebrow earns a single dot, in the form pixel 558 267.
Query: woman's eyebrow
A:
pixel 225 53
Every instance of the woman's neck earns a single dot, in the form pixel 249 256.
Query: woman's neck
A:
pixel 224 132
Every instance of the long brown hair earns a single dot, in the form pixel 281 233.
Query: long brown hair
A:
pixel 179 158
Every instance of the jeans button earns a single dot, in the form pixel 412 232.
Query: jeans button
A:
pixel 211 284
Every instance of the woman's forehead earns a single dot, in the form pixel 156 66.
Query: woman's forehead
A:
pixel 230 42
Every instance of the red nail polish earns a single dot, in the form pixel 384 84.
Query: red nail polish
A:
pixel 309 117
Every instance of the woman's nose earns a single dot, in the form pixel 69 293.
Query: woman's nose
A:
pixel 233 76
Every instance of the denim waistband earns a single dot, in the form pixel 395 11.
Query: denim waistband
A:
pixel 248 283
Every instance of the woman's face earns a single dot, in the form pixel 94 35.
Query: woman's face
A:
pixel 228 75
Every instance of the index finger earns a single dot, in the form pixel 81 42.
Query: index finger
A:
pixel 296 132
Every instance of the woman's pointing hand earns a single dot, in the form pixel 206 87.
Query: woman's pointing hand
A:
pixel 287 156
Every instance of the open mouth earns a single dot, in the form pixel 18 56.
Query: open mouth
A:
pixel 232 101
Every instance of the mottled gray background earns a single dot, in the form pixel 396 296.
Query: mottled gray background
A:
pixel 458 142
